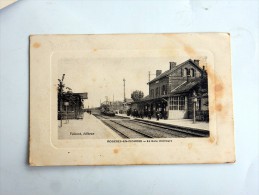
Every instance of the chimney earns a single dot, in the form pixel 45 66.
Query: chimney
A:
pixel 172 65
pixel 158 72
pixel 196 62
pixel 203 71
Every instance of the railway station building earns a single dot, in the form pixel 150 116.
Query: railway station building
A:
pixel 177 92
pixel 70 105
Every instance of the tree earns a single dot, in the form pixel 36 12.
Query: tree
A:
pixel 202 86
pixel 137 95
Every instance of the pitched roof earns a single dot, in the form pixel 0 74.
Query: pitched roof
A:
pixel 145 98
pixel 166 73
pixel 82 95
pixel 186 87
pixel 129 100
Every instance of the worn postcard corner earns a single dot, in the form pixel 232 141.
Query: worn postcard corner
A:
pixel 5 3
pixel 131 99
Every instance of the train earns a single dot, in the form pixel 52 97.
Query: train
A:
pixel 107 110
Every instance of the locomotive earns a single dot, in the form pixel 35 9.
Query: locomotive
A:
pixel 107 110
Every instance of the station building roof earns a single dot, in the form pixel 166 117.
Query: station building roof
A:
pixel 168 72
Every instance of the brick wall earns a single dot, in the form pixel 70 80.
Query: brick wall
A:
pixel 179 76
pixel 159 84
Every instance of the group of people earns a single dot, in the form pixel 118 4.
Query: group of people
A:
pixel 147 113
pixel 89 111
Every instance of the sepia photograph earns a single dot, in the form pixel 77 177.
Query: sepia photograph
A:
pixel 132 98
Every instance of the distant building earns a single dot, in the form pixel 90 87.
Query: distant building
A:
pixel 118 106
pixel 173 92
pixel 127 104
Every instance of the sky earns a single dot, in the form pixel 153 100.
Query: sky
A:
pixel 101 77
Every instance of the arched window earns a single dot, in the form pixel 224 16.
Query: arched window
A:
pixel 192 72
pixel 164 90
pixel 152 93
pixel 185 72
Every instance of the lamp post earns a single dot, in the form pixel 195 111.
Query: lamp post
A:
pixel 149 75
pixel 66 104
pixel 61 110
pixel 124 89
pixel 194 101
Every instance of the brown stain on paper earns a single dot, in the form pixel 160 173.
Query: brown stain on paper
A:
pixel 219 90
pixel 218 87
pixel 189 50
pixel 189 146
pixel 211 139
pixel 36 45
pixel 115 151
pixel 219 107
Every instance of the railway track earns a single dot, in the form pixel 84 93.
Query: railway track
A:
pixel 137 128
pixel 189 132
pixel 124 131
pixel 152 131
pixel 111 118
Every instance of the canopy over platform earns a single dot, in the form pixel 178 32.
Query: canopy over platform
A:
pixel 82 95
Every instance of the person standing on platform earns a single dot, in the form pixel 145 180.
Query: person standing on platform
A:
pixel 149 114
pixel 157 115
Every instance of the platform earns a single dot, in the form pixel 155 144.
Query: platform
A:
pixel 87 128
pixel 182 122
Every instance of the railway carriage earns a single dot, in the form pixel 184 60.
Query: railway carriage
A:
pixel 107 110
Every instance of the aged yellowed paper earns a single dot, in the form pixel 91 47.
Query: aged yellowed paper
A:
pixel 131 99
pixel 5 3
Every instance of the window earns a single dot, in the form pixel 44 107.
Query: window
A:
pixel 177 103
pixel 192 72
pixel 152 93
pixel 185 72
pixel 156 91
pixel 181 103
pixel 198 105
pixel 164 90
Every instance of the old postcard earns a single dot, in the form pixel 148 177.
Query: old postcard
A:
pixel 131 99
pixel 5 3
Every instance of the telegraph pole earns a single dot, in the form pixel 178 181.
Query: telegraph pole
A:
pixel 112 101
pixel 124 89
pixel 61 85
pixel 149 75
pixel 106 97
